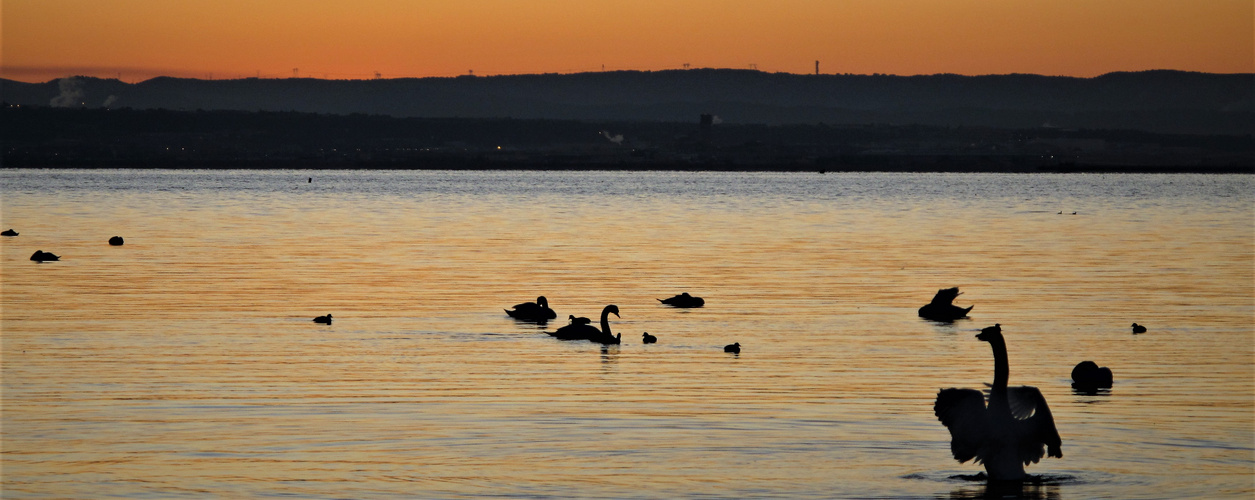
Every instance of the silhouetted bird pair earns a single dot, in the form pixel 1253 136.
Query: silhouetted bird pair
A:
pixel 538 312
pixel 581 330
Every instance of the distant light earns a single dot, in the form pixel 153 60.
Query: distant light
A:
pixel 498 147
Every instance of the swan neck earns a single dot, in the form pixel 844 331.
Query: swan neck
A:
pixel 605 322
pixel 1002 369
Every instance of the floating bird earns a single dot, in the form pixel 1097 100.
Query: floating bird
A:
pixel 116 241
pixel 42 256
pixel 8 232
pixel 572 320
pixel 538 311
pixel 323 319
pixel 683 300
pixel 733 348
pixel 648 339
pixel 1089 377
pixel 1138 328
pixel 1014 430
pixel 589 332
pixel 942 309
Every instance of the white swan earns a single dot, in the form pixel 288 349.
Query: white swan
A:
pixel 1014 430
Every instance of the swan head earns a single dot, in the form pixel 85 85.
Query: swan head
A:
pixel 612 309
pixel 991 333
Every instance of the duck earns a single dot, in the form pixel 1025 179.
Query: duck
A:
pixel 1087 376
pixel 683 300
pixel 942 309
pixel 1014 429
pixel 538 311
pixel 323 319
pixel 575 331
pixel 733 348
pixel 116 241
pixel 42 256
pixel 1138 329
pixel 572 320
pixel 648 339
pixel 8 232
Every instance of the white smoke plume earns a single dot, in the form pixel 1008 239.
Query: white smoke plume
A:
pixel 109 101
pixel 71 93
pixel 716 120
pixel 617 138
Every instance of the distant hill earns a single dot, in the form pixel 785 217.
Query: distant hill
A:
pixel 1156 101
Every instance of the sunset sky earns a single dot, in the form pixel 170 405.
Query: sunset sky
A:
pixel 140 39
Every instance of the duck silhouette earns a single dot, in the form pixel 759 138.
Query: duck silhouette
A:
pixel 1138 328
pixel 942 309
pixel 572 320
pixel 116 241
pixel 1087 376
pixel 733 348
pixel 683 300
pixel 648 339
pixel 575 331
pixel 323 319
pixel 1015 429
pixel 538 311
pixel 42 256
pixel 8 232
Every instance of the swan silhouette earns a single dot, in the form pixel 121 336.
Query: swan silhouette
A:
pixel 942 309
pixel 1138 328
pixel 1010 432
pixel 1089 377
pixel 576 331
pixel 538 311
pixel 42 256
pixel 648 339
pixel 683 300
pixel 323 319
pixel 733 348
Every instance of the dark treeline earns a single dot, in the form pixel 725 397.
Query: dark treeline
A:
pixel 1156 101
pixel 38 137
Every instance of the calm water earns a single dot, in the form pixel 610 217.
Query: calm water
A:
pixel 185 364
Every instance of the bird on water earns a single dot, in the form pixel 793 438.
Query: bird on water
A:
pixel 538 311
pixel 323 319
pixel 42 256
pixel 683 300
pixel 1138 328
pixel 648 339
pixel 572 320
pixel 575 331
pixel 8 232
pixel 1014 429
pixel 733 348
pixel 942 308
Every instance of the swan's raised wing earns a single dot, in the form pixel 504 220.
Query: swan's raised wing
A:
pixel 945 296
pixel 963 412
pixel 1035 424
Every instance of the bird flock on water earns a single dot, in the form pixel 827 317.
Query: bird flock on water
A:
pixel 1004 427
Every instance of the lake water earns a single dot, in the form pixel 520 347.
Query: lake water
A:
pixel 185 364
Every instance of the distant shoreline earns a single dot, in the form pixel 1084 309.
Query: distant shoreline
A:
pixel 1052 169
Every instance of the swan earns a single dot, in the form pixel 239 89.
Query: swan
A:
pixel 1007 434
pixel 942 309
pixel 1088 376
pixel 116 241
pixel 572 320
pixel 1138 328
pixel 733 348
pixel 648 339
pixel 576 331
pixel 538 311
pixel 8 232
pixel 323 319
pixel 42 256
pixel 683 300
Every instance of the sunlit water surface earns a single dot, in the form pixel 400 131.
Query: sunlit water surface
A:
pixel 185 363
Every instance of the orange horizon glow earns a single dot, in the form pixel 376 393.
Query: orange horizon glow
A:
pixel 135 40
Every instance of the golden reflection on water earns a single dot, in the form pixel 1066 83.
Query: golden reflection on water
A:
pixel 185 363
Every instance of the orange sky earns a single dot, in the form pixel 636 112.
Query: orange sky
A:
pixel 139 39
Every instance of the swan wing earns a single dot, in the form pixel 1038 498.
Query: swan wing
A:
pixel 962 411
pixel 1035 424
pixel 945 296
